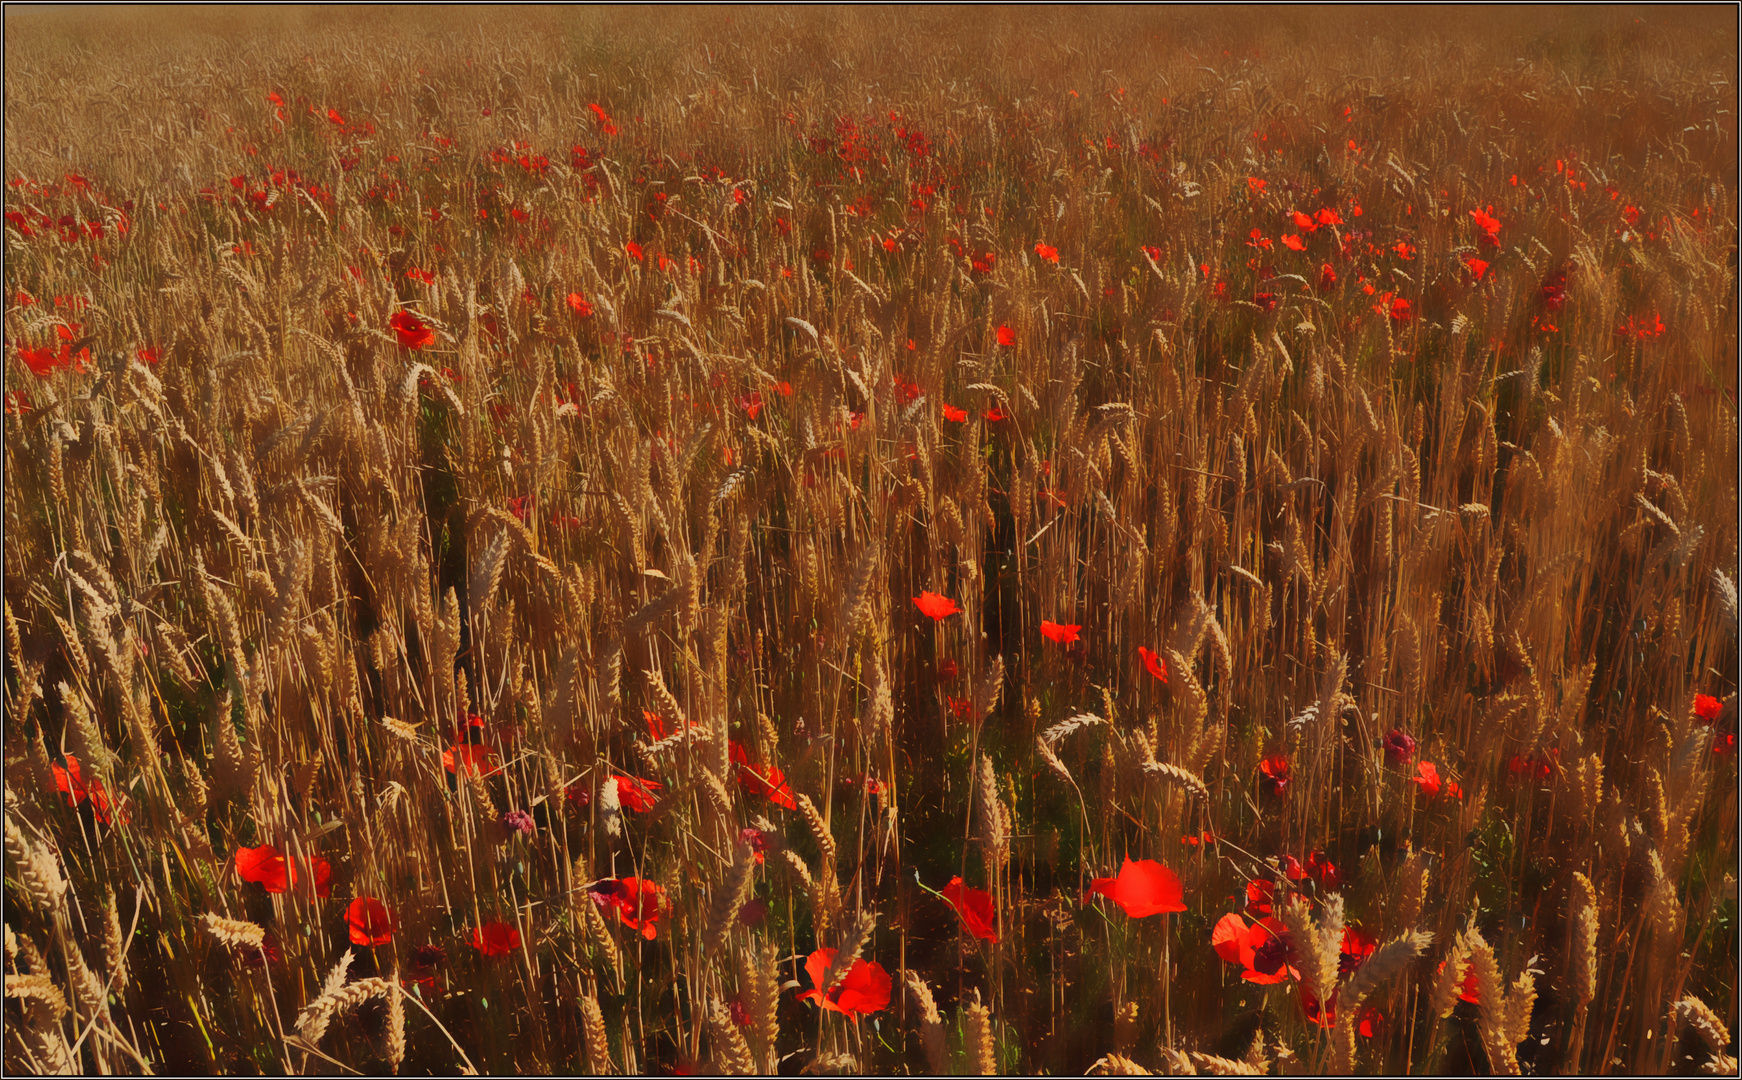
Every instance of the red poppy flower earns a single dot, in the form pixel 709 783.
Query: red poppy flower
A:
pixel 955 415
pixel 1427 778
pixel 425 959
pixel 995 415
pixel 1323 870
pixel 602 119
pixel 1143 888
pixel 1399 747
pixel 42 361
pixel 323 876
pixel 1260 896
pixel 1273 775
pixel 518 506
pixel 640 903
pixel 1154 253
pixel 1047 252
pixel 637 794
pixel 1290 240
pixel 1059 633
pixel 751 403
pixel 1477 267
pixel 413 332
pixel 148 355
pixel 1153 662
pixel 864 990
pixel 1372 1021
pixel 74 788
pixel 769 782
pixel 469 758
pixel 1262 948
pixel 1301 221
pixel 370 921
pixel 935 606
pixel 265 866
pixel 580 305
pixel 1328 216
pixel 947 669
pixel 1706 707
pixel 1400 311
pixel 423 276
pixel 1489 224
pixel 1006 336
pixel 634 250
pixel 1642 327
pixel 469 728
pixel 961 708
pixel 1327 277
pixel 495 939
pixel 975 908
pixel 1265 301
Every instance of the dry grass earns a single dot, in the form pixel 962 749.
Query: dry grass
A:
pixel 866 304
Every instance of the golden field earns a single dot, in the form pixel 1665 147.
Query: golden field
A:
pixel 871 540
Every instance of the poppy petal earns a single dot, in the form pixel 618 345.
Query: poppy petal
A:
pixel 1146 888
pixel 1228 937
pixel 975 907
pixel 934 605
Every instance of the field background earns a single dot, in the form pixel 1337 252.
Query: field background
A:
pixel 1241 379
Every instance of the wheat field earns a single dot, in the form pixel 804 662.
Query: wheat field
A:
pixel 871 540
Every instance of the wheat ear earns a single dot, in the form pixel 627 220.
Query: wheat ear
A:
pixel 931 1025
